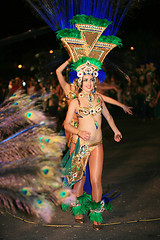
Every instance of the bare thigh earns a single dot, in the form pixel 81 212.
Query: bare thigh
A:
pixel 96 163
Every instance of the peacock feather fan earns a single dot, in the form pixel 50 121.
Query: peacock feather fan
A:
pixel 30 159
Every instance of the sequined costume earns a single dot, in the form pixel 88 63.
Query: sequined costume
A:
pixel 76 163
pixel 79 161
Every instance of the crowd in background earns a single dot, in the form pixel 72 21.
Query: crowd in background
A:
pixel 142 92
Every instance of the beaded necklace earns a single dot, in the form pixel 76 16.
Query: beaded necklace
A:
pixel 90 98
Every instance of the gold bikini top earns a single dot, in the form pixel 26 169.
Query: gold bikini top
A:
pixel 85 111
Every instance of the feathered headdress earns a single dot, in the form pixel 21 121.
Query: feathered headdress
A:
pixel 57 13
pixel 87 46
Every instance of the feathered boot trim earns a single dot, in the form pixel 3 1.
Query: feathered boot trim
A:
pixel 96 209
pixel 82 205
pixel 65 207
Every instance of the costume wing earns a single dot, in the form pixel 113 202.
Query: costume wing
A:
pixel 30 156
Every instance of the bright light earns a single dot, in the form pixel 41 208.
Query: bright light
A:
pixel 24 84
pixel 51 51
pixel 132 48
pixel 20 66
pixel 51 73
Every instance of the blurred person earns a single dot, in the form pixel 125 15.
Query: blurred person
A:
pixel 16 84
pixel 31 89
pixel 117 93
pixel 150 94
pixel 157 106
pixel 141 97
pixel 52 103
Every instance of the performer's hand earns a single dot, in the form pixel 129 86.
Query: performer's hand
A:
pixel 85 135
pixel 69 60
pixel 127 109
pixel 117 137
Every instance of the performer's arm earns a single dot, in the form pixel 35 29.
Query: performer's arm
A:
pixel 108 117
pixel 67 123
pixel 158 96
pixel 107 87
pixel 115 102
pixel 61 79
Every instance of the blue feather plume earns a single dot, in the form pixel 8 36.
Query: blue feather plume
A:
pixel 102 75
pixel 57 13
pixel 72 76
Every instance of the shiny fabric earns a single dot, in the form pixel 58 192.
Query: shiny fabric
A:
pixel 79 161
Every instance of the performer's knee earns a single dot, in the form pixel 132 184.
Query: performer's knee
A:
pixel 96 181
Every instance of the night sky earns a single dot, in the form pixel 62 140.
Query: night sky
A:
pixel 17 17
pixel 140 25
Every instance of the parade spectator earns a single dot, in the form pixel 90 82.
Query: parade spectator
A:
pixel 52 103
pixel 31 89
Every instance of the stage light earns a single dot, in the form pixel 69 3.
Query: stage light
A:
pixel 51 51
pixel 20 66
pixel 132 48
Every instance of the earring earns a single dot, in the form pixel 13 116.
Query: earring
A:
pixel 95 88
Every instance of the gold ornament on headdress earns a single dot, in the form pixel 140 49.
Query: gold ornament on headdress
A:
pixel 87 46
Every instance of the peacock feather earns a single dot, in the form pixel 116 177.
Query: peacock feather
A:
pixel 30 158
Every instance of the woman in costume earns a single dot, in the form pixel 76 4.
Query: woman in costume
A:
pixel 71 93
pixel 89 108
pixel 88 49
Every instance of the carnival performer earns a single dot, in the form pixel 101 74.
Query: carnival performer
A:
pixel 90 137
pixel 71 93
pixel 87 48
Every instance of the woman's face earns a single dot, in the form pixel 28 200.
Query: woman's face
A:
pixel 88 83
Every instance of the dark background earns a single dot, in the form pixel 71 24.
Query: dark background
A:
pixel 24 34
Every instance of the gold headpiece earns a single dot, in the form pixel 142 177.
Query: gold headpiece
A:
pixel 87 46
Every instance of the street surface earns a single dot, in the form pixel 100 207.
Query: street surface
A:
pixel 133 166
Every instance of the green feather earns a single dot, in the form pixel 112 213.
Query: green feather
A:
pixel 97 206
pixel 97 217
pixel 111 39
pixel 90 20
pixel 65 207
pixel 78 210
pixel 108 206
pixel 85 198
pixel 83 60
pixel 84 204
pixel 67 32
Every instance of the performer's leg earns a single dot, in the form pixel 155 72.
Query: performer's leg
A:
pixel 78 187
pixel 95 168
